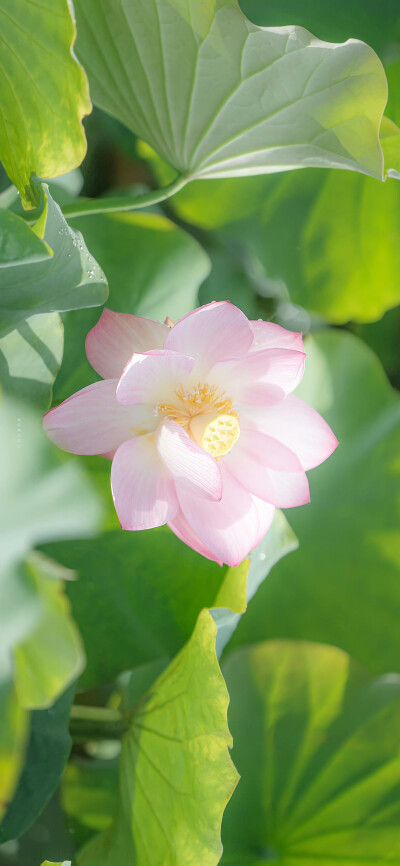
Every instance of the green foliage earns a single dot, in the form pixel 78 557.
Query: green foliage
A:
pixel 232 112
pixel 341 231
pixel 162 586
pixel 316 741
pixel 68 279
pixel 177 748
pixel 13 734
pixel 316 737
pixel 44 94
pixel 341 586
pixel 47 753
pixel 154 269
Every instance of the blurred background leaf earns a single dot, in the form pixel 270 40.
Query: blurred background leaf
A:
pixel 48 750
pixel 341 586
pixel 317 744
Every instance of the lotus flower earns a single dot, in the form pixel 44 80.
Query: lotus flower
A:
pixel 200 422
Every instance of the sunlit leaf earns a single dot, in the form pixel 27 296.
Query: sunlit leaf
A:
pixel 317 744
pixel 48 749
pixel 250 100
pixel 44 93
pixel 70 279
pixel 176 750
pixel 342 585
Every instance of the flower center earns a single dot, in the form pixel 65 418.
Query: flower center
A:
pixel 208 417
pixel 217 434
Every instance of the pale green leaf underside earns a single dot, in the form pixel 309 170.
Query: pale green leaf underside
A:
pixel 44 93
pixel 217 96
pixel 304 718
pixel 68 279
pixel 176 774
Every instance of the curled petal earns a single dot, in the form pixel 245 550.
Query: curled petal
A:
pixel 268 469
pixel 298 426
pixel 188 463
pixel 268 335
pixel 229 528
pixel 112 342
pixel 153 377
pixel 92 421
pixel 211 333
pixel 260 377
pixel 186 534
pixel 143 490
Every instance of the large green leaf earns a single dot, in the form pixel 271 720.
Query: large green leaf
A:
pixel 342 585
pixel 48 750
pixel 250 100
pixel 69 279
pixel 30 357
pixel 154 269
pixel 317 744
pixel 44 93
pixel 176 775
pixel 162 586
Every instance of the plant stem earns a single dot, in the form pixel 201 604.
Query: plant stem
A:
pixel 96 723
pixel 85 207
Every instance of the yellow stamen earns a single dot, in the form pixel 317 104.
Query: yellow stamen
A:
pixel 207 415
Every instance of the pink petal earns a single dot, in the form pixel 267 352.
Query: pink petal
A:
pixel 298 426
pixel 268 469
pixel 190 466
pixel 185 533
pixel 112 342
pixel 268 335
pixel 210 333
pixel 93 422
pixel 229 528
pixel 143 490
pixel 153 377
pixel 259 377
